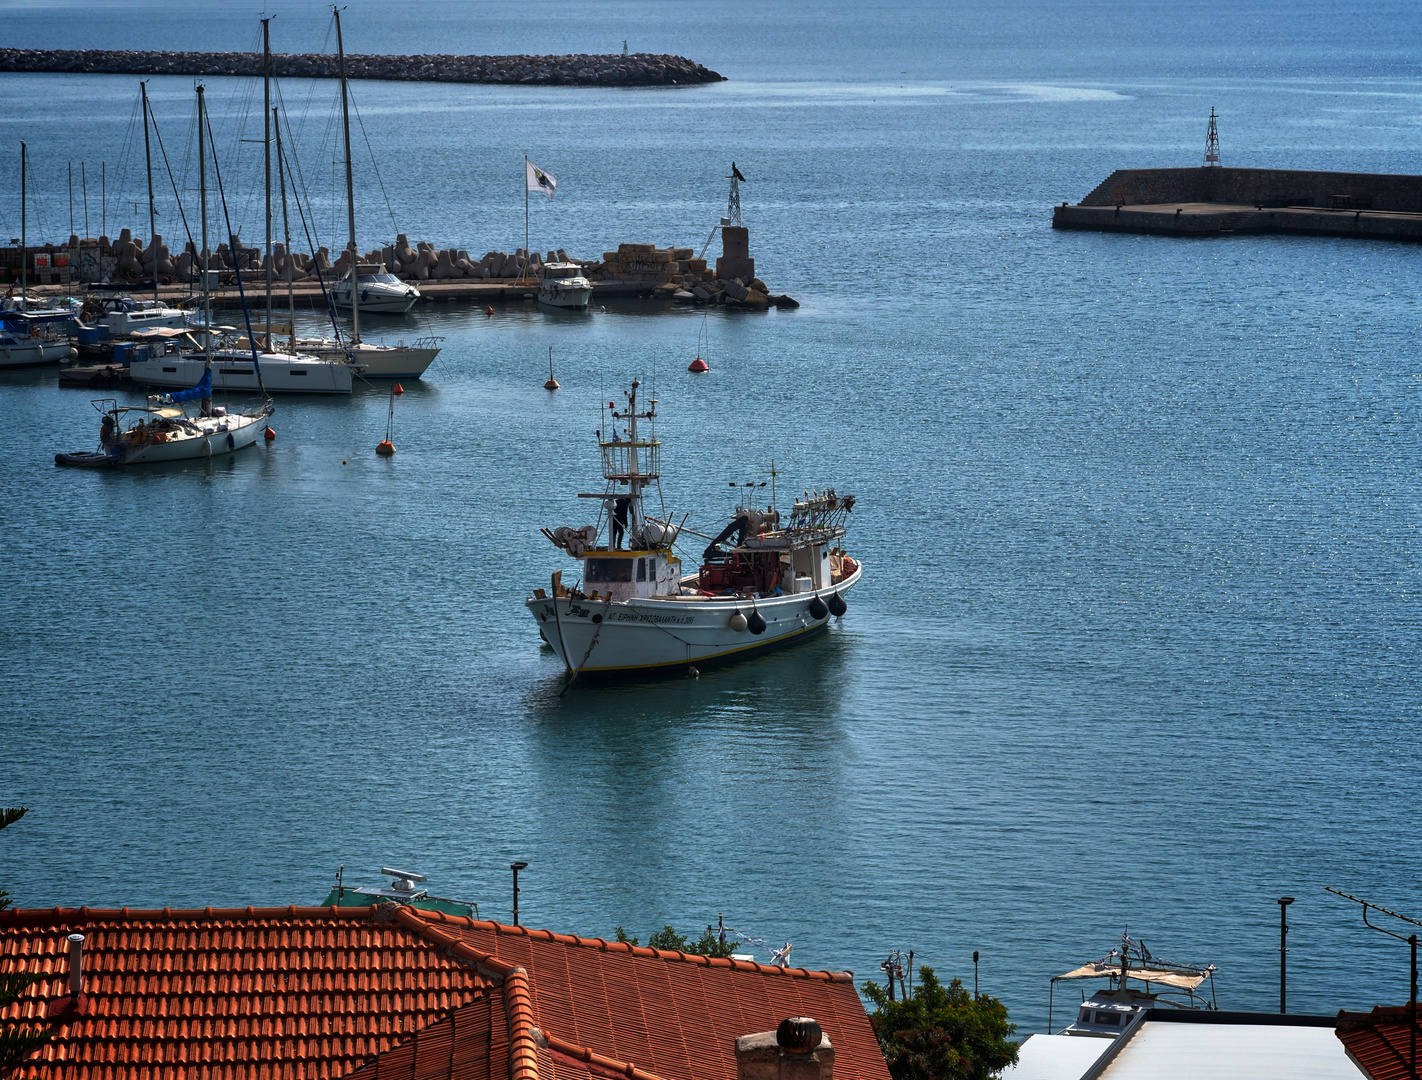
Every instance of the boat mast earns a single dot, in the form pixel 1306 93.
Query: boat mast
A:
pixel 24 236
pixel 350 183
pixel 202 199
pixel 152 212
pixel 267 153
pixel 286 231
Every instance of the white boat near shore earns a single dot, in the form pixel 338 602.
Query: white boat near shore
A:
pixel 564 286
pixel 635 612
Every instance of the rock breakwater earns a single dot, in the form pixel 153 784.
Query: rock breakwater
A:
pixel 636 69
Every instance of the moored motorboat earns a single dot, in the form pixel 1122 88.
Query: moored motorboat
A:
pixel 633 611
pixel 375 292
pixel 564 286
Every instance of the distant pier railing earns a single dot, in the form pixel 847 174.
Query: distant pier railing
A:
pixel 635 69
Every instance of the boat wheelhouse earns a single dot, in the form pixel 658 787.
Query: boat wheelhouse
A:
pixel 1106 1012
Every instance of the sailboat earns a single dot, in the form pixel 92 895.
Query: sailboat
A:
pixel 368 287
pixel 635 612
pixel 163 429
pixel 30 339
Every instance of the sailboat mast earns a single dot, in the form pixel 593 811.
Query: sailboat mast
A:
pixel 350 183
pixel 24 236
pixel 286 232
pixel 152 211
pixel 202 198
pixel 267 152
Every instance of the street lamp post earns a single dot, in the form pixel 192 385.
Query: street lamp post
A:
pixel 1284 902
pixel 516 867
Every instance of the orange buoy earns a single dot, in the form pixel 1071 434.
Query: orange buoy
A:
pixel 385 448
pixel 551 384
pixel 398 389
pixel 698 366
pixel 268 433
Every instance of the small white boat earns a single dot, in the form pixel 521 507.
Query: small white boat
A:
pixel 634 612
pixel 382 293
pixel 33 338
pixel 1108 1011
pixel 163 431
pixel 563 286
pixel 122 315
pixel 234 369
pixel 376 361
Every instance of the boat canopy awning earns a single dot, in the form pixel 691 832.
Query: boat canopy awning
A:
pixel 158 332
pixel 1179 978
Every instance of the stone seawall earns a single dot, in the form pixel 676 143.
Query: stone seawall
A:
pixel 636 69
pixel 1214 201
pixel 1262 188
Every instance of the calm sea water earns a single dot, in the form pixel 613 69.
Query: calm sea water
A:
pixel 1137 642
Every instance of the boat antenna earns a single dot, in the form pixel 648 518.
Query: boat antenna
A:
pixel 241 292
pixel 1411 939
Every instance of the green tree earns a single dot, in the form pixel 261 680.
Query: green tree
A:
pixel 942 1032
pixel 669 940
pixel 16 1043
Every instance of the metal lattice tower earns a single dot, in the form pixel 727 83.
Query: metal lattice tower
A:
pixel 1212 141
pixel 733 205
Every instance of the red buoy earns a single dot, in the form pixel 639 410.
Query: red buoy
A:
pixel 268 433
pixel 398 389
pixel 489 311
pixel 698 366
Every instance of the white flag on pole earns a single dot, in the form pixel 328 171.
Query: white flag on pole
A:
pixel 538 180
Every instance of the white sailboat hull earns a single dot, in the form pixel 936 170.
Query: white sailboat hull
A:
pixel 217 436
pixel 596 638
pixel 376 361
pixel 33 353
pixel 280 373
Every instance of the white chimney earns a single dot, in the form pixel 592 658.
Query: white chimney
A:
pixel 76 964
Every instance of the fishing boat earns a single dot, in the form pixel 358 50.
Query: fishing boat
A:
pixel 563 286
pixel 760 584
pixel 1107 1011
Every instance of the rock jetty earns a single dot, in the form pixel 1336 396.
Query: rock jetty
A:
pixel 671 273
pixel 635 69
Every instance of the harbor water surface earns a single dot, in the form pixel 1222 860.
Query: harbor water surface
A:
pixel 1136 645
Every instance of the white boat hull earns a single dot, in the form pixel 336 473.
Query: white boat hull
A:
pixel 217 436
pixel 376 361
pixel 559 294
pixel 33 353
pixel 380 299
pixel 280 374
pixel 600 639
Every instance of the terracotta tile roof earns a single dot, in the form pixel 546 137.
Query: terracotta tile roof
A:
pixel 671 1015
pixel 1380 1041
pixel 397 994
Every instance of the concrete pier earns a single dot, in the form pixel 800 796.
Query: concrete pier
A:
pixel 1220 201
